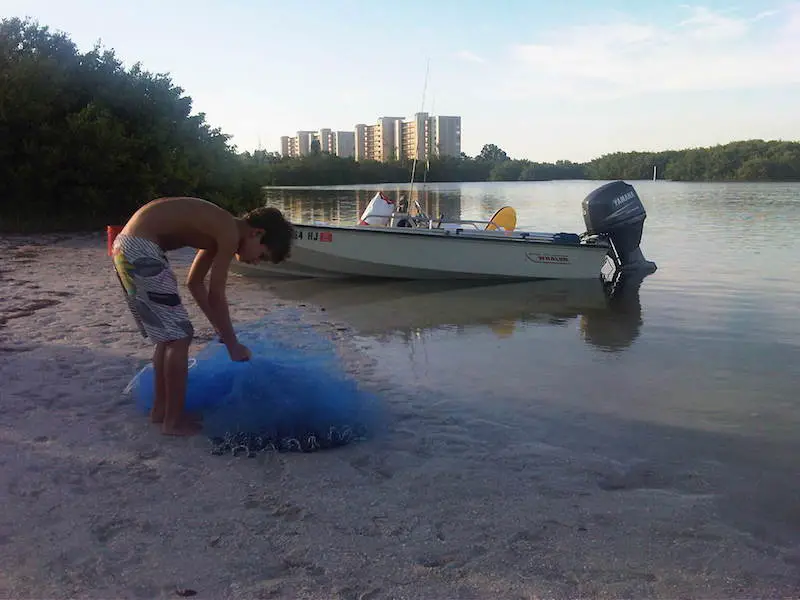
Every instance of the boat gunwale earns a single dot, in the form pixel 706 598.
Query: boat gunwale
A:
pixel 601 243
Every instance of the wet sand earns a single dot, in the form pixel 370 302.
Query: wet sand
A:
pixel 447 504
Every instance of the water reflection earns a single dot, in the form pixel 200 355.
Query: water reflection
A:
pixel 609 312
pixel 343 206
pixel 540 205
pixel 618 324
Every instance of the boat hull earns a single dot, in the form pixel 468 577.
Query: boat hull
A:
pixel 405 253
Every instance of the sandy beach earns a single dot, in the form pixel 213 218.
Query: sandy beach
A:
pixel 97 504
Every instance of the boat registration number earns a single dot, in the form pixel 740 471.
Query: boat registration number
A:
pixel 313 236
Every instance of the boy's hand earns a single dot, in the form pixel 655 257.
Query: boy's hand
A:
pixel 239 352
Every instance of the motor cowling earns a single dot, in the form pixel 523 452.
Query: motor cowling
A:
pixel 615 210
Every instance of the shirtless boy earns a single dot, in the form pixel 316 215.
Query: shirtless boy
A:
pixel 152 289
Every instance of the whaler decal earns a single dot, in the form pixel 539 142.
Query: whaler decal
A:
pixel 556 259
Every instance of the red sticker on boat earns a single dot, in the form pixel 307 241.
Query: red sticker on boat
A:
pixel 326 236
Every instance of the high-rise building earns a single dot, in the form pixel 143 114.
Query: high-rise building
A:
pixel 385 133
pixel 362 142
pixel 288 146
pixel 446 136
pixel 391 138
pixel 414 137
pixel 344 144
pixel 304 139
pixel 325 138
pixel 332 142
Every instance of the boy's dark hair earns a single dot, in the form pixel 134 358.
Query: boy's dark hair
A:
pixel 278 232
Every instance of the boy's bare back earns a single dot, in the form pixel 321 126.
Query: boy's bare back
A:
pixel 177 222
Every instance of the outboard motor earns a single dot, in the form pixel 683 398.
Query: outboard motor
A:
pixel 615 210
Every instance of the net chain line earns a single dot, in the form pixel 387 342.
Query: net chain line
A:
pixel 250 444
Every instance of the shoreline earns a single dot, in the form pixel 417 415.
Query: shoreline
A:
pixel 446 503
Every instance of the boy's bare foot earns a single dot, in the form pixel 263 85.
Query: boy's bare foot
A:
pixel 184 427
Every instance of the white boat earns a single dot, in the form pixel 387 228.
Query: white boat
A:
pixel 389 242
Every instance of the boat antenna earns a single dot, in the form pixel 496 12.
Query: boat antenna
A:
pixel 425 145
pixel 428 154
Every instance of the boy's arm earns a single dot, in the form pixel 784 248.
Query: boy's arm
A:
pixel 227 244
pixel 196 284
pixel 213 303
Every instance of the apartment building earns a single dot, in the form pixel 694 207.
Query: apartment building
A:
pixel 362 140
pixel 299 145
pixel 289 146
pixel 446 136
pixel 390 138
pixel 424 137
pixel 340 143
pixel 415 138
pixel 325 139
pixel 344 144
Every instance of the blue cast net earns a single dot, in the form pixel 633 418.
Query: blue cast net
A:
pixel 292 395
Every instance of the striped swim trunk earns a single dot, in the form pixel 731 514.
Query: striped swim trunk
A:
pixel 151 289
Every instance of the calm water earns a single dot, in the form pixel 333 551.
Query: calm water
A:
pixel 697 365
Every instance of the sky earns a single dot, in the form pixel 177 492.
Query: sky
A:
pixel 543 80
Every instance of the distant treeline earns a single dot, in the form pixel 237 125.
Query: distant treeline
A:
pixel 751 160
pixel 84 142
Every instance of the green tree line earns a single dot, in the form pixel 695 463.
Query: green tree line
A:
pixel 84 142
pixel 750 160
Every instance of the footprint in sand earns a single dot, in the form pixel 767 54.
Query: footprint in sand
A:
pixel 148 454
pixel 372 466
pixel 145 591
pixel 142 472
pixel 291 512
pixel 23 253
pixel 296 560
pixel 14 349
pixel 24 489
pixel 452 559
pixel 26 310
pixel 105 532
pixel 645 475
pixel 348 593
